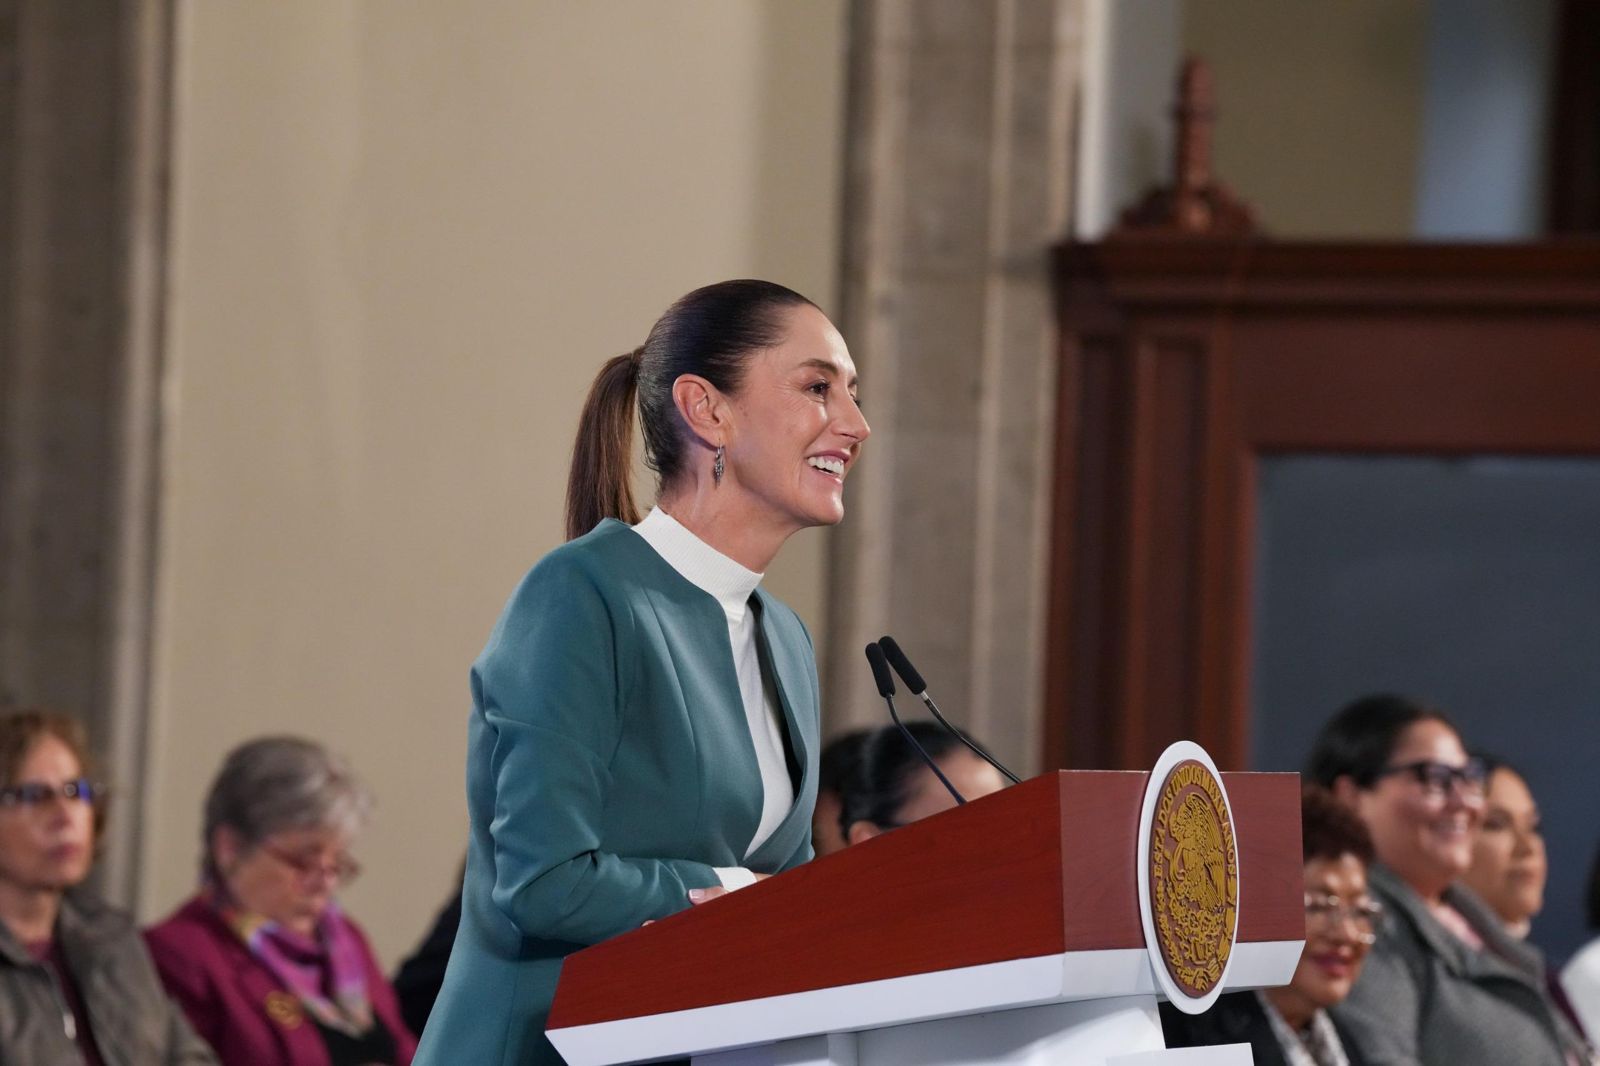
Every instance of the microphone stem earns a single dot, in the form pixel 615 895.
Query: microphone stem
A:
pixel 943 780
pixel 976 749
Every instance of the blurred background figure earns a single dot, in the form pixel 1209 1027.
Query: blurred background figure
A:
pixel 76 983
pixel 835 767
pixel 1290 1026
pixel 1509 869
pixel 1581 978
pixel 262 959
pixel 891 786
pixel 1445 982
pixel 1508 861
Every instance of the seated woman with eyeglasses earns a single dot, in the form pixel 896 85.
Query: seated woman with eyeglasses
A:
pixel 264 962
pixel 1291 1026
pixel 76 983
pixel 1445 983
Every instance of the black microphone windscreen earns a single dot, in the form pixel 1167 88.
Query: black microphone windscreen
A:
pixel 902 666
pixel 880 671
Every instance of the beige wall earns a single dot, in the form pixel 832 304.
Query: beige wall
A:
pixel 1320 109
pixel 404 237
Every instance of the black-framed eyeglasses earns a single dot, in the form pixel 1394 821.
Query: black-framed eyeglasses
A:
pixel 34 795
pixel 1326 913
pixel 1437 778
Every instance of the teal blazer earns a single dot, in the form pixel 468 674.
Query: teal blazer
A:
pixel 609 769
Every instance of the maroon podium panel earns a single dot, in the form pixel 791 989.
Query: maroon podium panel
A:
pixel 1043 868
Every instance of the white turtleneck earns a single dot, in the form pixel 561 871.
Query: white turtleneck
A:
pixel 731 585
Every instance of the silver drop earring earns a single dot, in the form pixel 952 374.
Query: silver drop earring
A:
pixel 716 467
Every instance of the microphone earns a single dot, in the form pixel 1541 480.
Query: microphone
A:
pixel 914 684
pixel 880 674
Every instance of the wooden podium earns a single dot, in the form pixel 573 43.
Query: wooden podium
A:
pixel 1008 930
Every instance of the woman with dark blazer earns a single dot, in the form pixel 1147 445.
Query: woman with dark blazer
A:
pixel 1445 984
pixel 644 731
pixel 268 968
pixel 1292 1026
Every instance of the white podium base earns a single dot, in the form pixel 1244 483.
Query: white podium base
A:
pixel 1105 1032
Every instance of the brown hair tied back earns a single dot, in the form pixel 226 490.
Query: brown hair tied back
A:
pixel 600 483
pixel 711 333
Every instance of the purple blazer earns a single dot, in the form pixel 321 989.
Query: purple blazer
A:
pixel 238 1006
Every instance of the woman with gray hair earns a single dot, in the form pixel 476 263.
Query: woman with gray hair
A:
pixel 264 962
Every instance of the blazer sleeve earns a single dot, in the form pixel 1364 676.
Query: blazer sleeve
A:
pixel 552 688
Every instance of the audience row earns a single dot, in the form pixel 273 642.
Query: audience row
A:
pixel 1424 866
pixel 259 967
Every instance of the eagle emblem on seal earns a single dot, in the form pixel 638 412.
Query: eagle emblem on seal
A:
pixel 1194 877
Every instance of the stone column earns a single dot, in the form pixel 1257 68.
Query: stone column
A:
pixel 83 108
pixel 959 177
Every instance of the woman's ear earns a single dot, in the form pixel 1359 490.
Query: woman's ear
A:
pixel 226 849
pixel 702 407
pixel 862 831
pixel 1346 791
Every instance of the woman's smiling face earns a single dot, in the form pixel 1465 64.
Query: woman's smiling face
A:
pixel 1423 833
pixel 1336 944
pixel 798 426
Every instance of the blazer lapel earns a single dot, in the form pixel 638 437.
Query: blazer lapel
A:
pixel 791 678
pixel 721 728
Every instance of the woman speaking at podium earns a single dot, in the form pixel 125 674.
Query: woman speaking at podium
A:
pixel 644 730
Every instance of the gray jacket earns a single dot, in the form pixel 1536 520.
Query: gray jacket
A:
pixel 134 1022
pixel 1425 997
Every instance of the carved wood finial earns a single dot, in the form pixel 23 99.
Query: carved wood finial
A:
pixel 1195 204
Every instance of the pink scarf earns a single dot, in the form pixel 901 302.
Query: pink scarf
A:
pixel 327 970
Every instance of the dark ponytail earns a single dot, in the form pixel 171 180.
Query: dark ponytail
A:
pixel 710 333
pixel 600 484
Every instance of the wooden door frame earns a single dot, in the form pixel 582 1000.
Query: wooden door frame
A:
pixel 1184 362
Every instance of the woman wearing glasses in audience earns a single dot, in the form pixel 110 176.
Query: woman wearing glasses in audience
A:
pixel 1291 1026
pixel 264 962
pixel 1445 983
pixel 76 984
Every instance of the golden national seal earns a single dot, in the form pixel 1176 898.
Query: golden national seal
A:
pixel 1194 877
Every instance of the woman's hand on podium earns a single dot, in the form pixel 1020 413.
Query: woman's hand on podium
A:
pixel 698 896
